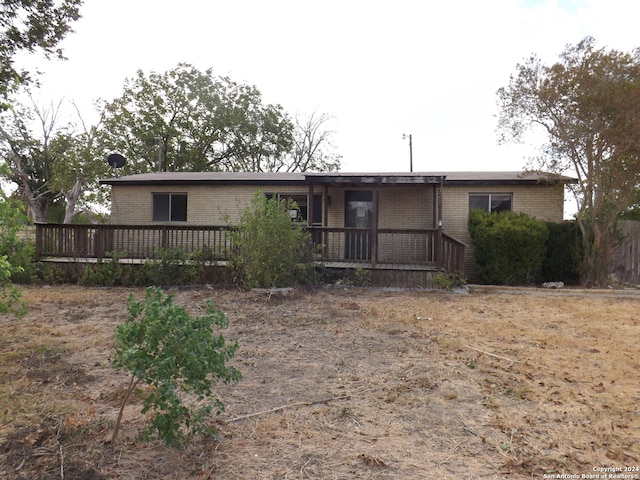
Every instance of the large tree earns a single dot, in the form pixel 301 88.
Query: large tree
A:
pixel 50 160
pixel 30 26
pixel 187 120
pixel 587 107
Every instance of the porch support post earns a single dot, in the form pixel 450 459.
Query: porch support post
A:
pixel 374 227
pixel 310 206
pixel 325 213
pixel 325 222
pixel 434 215
pixel 439 245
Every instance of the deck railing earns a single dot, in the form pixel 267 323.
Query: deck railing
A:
pixel 426 247
pixel 431 247
pixel 129 241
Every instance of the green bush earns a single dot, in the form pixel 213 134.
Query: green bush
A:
pixel 173 266
pixel 269 248
pixel 561 261
pixel 509 247
pixel 108 272
pixel 448 281
pixel 15 261
pixel 164 347
pixel 19 252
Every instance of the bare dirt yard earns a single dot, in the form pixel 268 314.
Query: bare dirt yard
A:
pixel 341 383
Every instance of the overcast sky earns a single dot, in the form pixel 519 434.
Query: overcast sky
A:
pixel 380 68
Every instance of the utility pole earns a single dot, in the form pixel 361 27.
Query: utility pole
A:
pixel 404 137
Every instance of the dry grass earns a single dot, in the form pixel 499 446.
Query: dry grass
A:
pixel 341 384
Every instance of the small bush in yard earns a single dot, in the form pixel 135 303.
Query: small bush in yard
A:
pixel 510 247
pixel 164 347
pixel 269 248
pixel 448 281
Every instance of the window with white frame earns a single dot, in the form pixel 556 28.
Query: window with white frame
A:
pixel 169 207
pixel 491 202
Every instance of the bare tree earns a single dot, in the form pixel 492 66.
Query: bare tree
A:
pixel 313 149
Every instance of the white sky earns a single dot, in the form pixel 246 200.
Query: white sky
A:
pixel 381 68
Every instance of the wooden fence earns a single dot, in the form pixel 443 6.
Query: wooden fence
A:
pixel 626 258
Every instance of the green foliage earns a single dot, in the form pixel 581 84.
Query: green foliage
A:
pixel 561 261
pixel 12 257
pixel 199 121
pixel 448 281
pixel 632 213
pixel 164 347
pixel 28 26
pixel 108 272
pixel 173 266
pixel 586 108
pixel 269 249
pixel 510 247
pixel 55 166
pixel 358 277
pixel 19 251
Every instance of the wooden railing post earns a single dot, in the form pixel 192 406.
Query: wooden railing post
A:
pixel 39 237
pixel 439 250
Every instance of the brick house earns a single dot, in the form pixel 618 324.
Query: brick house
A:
pixel 383 221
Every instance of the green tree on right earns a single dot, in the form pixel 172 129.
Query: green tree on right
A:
pixel 586 108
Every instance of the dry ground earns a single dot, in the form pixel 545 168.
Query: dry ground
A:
pixel 341 384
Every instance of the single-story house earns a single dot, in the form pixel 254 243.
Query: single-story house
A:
pixel 397 224
pixel 381 220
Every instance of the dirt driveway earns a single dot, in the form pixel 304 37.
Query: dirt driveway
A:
pixel 342 384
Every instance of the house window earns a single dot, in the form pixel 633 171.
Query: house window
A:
pixel 302 214
pixel 490 202
pixel 169 207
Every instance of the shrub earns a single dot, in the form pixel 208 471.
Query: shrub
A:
pixel 164 347
pixel 509 247
pixel 173 266
pixel 269 248
pixel 19 252
pixel 107 272
pixel 561 261
pixel 448 281
pixel 14 257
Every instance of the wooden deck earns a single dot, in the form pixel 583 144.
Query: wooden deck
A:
pixel 380 266
pixel 223 263
pixel 417 250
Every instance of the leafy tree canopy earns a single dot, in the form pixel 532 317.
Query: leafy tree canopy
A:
pixel 30 26
pixel 188 120
pixel 587 106
pixel 50 160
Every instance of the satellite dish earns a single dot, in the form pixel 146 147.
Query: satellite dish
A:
pixel 115 160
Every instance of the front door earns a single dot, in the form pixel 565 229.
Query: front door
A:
pixel 358 214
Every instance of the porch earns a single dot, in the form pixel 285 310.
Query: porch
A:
pixel 382 249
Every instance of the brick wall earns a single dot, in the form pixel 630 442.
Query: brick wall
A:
pixel 399 207
pixel 545 202
pixel 206 205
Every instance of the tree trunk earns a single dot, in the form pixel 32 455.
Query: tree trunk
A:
pixel 71 198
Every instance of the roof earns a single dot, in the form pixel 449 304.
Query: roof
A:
pixel 373 178
pixel 206 178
